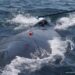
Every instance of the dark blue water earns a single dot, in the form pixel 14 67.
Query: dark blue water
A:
pixel 16 17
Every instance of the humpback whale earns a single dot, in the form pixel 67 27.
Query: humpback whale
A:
pixel 27 43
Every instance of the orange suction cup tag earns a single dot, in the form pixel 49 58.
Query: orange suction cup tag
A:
pixel 30 33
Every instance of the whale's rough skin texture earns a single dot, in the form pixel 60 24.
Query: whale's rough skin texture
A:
pixel 23 44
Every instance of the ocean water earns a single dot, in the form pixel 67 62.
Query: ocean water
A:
pixel 18 17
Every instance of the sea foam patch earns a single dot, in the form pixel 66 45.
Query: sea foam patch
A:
pixel 65 22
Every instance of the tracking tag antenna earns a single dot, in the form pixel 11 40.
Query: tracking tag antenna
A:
pixel 61 12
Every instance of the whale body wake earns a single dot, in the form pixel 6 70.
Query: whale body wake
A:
pixel 31 50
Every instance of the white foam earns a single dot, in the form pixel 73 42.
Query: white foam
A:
pixel 65 22
pixel 19 64
pixel 25 21
pixel 59 47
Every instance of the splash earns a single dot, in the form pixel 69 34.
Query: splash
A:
pixel 65 22
pixel 59 47
pixel 24 21
pixel 20 64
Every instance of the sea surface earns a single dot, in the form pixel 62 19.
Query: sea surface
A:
pixel 17 16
